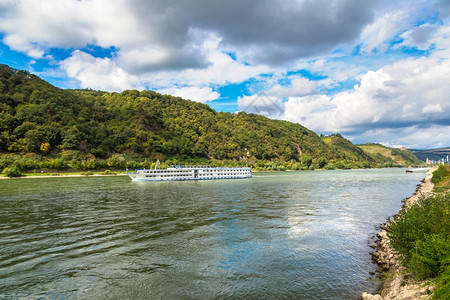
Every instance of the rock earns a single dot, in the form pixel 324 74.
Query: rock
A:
pixel 366 296
pixel 384 267
pixel 392 261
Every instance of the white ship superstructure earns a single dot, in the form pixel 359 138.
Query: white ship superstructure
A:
pixel 191 173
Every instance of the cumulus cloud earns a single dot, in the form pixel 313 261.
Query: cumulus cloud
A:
pixel 66 24
pixel 298 86
pixel 405 93
pixel 418 37
pixel 441 41
pixel 410 93
pixel 222 69
pixel 140 60
pixel 396 20
pixel 264 31
pixel 99 73
pixel 413 137
pixel 432 108
pixel 377 35
pixel 195 84
pixel 198 94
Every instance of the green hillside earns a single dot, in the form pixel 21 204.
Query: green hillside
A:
pixel 393 156
pixel 346 151
pixel 44 127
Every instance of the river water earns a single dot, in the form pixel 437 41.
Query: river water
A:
pixel 301 235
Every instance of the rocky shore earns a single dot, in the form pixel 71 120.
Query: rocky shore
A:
pixel 396 284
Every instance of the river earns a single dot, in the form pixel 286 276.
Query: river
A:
pixel 300 235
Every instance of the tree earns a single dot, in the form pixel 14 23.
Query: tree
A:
pixel 12 172
pixel 306 161
pixel 45 147
pixel 321 162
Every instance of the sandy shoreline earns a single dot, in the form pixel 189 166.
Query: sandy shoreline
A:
pixel 63 175
pixel 396 285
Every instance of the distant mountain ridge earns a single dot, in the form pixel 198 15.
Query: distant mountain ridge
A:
pixel 432 154
pixel 45 126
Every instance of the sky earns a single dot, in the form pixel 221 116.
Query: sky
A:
pixel 373 71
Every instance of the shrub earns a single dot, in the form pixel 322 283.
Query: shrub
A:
pixel 430 255
pixel 421 220
pixel 12 172
pixel 421 237
pixel 443 285
pixel 108 172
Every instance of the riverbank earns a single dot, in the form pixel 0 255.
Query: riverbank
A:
pixel 396 284
pixel 60 175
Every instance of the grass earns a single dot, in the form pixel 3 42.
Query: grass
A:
pixel 441 177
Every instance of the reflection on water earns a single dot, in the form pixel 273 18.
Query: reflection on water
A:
pixel 291 234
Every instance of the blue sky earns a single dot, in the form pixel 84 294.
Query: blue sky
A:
pixel 374 71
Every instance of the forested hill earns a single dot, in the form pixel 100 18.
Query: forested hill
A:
pixel 42 126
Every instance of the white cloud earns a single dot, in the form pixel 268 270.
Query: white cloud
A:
pixel 413 137
pixel 376 35
pixel 432 108
pixel 418 37
pixel 17 42
pixel 68 24
pixel 263 31
pixel 222 69
pixel 99 73
pixel 298 87
pixel 309 110
pixel 198 94
pixel 441 41
pixel 407 93
pixel 398 19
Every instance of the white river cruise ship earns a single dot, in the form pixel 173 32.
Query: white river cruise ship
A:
pixel 191 173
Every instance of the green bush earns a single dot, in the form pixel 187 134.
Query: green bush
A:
pixel 421 236
pixel 443 285
pixel 12 172
pixel 108 172
pixel 430 255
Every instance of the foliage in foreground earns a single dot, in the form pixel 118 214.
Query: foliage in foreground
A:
pixel 421 236
pixel 12 172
